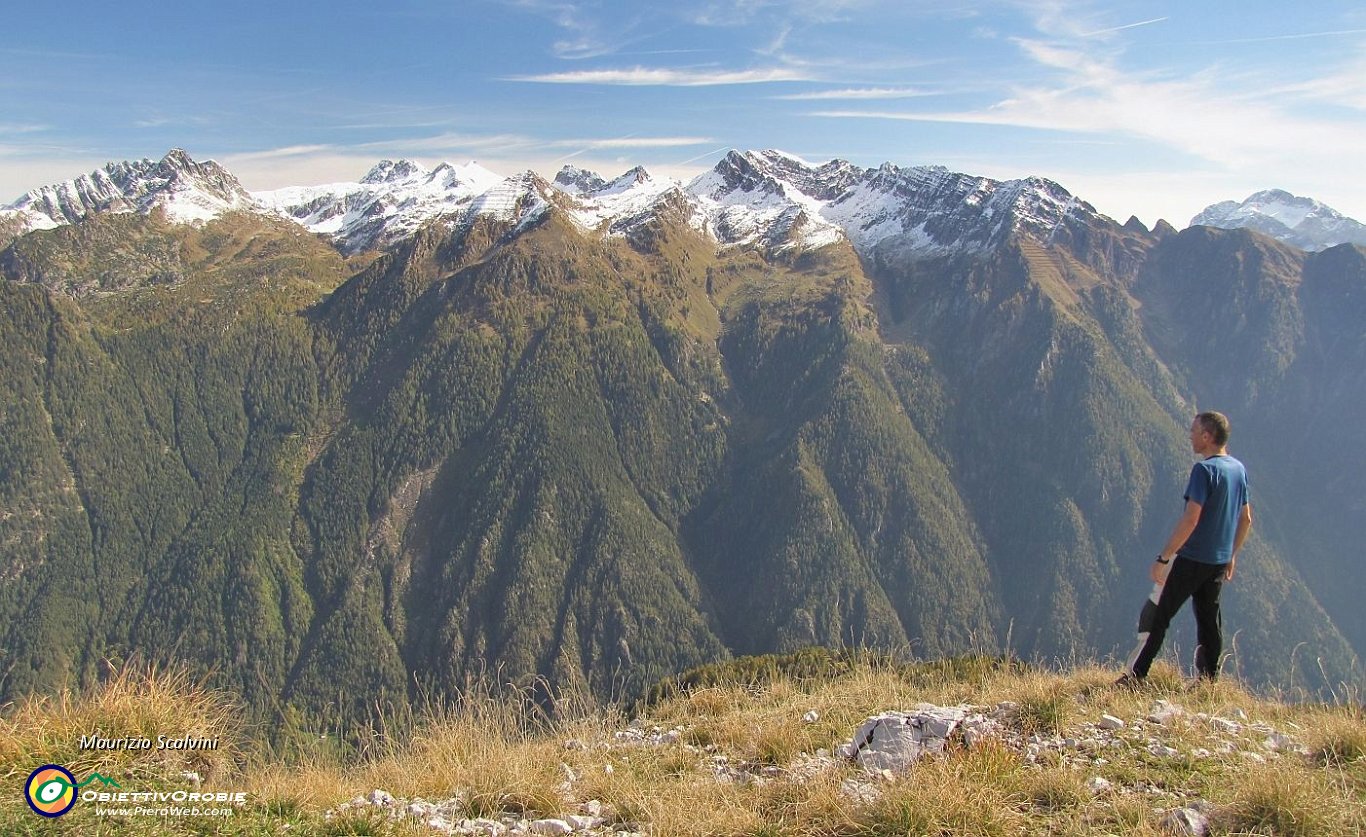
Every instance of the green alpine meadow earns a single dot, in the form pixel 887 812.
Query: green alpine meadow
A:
pixel 332 482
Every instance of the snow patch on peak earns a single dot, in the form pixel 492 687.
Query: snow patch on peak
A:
pixel 390 171
pixel 522 198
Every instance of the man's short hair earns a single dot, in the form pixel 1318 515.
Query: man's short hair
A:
pixel 1216 425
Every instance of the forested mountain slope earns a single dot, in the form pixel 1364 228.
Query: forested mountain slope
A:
pixel 511 444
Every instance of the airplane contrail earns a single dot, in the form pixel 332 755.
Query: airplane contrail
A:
pixel 1125 26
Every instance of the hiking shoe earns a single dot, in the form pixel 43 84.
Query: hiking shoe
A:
pixel 1129 680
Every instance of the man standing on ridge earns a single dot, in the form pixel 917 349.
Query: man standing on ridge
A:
pixel 1202 551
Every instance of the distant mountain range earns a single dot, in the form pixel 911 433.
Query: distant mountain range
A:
pixel 765 197
pixel 347 445
pixel 1301 222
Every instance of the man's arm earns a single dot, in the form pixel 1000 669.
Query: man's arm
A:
pixel 1244 526
pixel 1180 535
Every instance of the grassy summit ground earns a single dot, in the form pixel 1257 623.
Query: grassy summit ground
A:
pixel 742 749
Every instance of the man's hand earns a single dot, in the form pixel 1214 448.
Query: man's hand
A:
pixel 1159 571
pixel 1228 573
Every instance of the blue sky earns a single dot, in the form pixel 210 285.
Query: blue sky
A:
pixel 1155 109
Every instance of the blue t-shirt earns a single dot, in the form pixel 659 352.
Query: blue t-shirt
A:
pixel 1219 485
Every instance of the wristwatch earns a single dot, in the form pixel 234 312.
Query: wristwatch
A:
pixel 1160 560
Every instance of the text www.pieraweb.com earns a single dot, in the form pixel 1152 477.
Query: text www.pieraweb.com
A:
pixel 173 811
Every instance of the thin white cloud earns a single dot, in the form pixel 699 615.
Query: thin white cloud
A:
pixel 778 42
pixel 662 77
pixel 586 146
pixel 449 143
pixel 22 128
pixel 703 156
pixel 586 34
pixel 168 121
pixel 744 12
pixel 1114 29
pixel 860 93
pixel 734 13
pixel 283 153
pixel 1199 115
pixel 961 118
pixel 1076 19
pixel 1290 37
pixel 1343 89
pixel 632 142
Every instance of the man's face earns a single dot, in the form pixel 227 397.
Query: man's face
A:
pixel 1200 438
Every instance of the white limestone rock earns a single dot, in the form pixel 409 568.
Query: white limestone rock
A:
pixel 381 799
pixel 1164 713
pixel 1224 725
pixel 895 740
pixel 1192 821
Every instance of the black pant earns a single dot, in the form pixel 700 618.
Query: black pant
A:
pixel 1189 580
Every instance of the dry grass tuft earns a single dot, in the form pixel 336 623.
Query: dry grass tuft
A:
pixel 1339 740
pixel 965 793
pixel 1273 801
pixel 145 702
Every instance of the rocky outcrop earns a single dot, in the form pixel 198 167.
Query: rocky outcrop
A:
pixel 897 740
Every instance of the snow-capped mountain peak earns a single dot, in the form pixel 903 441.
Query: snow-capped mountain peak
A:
pixel 471 176
pixel 388 204
pixel 620 203
pixel 780 200
pixel 394 171
pixel 629 180
pixel 186 190
pixel 1299 221
pixel 577 181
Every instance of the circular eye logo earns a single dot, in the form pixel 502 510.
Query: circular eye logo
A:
pixel 51 790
